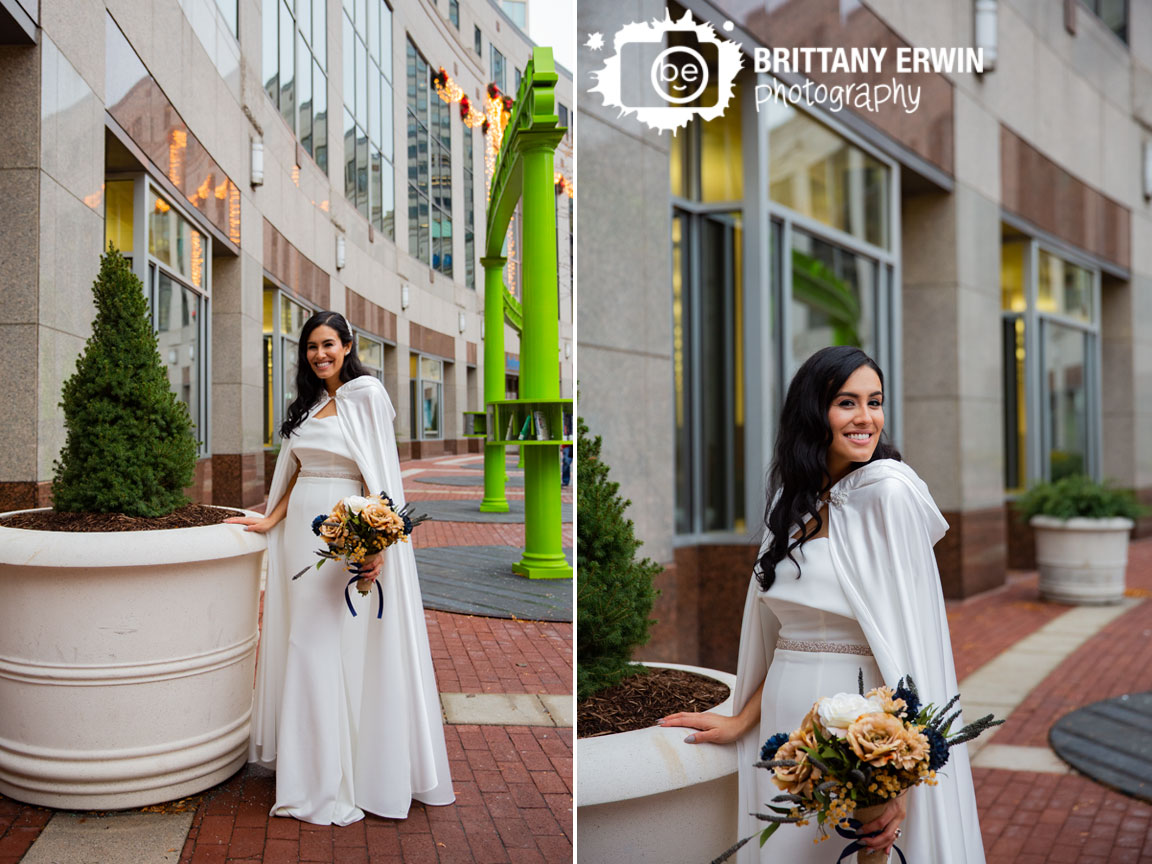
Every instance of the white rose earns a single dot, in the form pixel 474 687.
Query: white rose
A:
pixel 838 712
pixel 356 503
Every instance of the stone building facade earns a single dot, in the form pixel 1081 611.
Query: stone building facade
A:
pixel 258 160
pixel 991 248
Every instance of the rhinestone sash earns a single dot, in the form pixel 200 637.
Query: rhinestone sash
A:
pixel 331 473
pixel 823 647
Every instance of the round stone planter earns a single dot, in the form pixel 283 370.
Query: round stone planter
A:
pixel 646 796
pixel 126 663
pixel 1081 561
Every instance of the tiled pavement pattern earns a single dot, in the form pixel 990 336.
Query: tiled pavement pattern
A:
pixel 513 783
pixel 513 804
pixel 495 655
pixel 1029 817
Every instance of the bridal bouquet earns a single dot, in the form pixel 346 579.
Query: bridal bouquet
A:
pixel 357 528
pixel 855 752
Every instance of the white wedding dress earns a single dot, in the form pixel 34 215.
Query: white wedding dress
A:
pixel 873 581
pixel 813 613
pixel 346 707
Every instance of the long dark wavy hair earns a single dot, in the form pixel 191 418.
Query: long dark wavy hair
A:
pixel 800 463
pixel 308 385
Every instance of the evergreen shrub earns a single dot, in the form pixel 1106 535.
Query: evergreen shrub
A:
pixel 130 447
pixel 1078 495
pixel 614 590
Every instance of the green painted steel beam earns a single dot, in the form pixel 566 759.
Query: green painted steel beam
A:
pixel 524 171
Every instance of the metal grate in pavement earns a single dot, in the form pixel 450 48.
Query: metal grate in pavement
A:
pixel 478 580
pixel 1111 742
pixel 469 511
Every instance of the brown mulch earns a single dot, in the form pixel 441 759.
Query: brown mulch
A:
pixel 191 516
pixel 640 700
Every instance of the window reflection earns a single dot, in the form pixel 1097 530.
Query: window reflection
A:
pixel 368 147
pixel 833 298
pixel 294 69
pixel 429 167
pixel 177 317
pixel 1066 408
pixel 815 172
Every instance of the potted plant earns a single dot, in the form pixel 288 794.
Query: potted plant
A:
pixel 1081 529
pixel 643 795
pixel 128 621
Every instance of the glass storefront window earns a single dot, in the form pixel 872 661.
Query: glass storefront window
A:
pixel 1065 353
pixel 819 174
pixel 708 371
pixel 174 242
pixel 1051 403
pixel 426 390
pixel 833 298
pixel 177 317
pixel 707 160
pixel 118 214
pixel 1063 287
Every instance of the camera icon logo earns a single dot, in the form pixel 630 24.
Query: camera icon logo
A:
pixel 680 74
pixel 667 72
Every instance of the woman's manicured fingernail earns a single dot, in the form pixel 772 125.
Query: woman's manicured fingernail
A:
pixel 691 739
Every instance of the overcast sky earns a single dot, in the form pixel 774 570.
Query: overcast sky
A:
pixel 553 23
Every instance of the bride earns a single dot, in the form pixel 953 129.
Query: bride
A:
pixel 846 581
pixel 347 711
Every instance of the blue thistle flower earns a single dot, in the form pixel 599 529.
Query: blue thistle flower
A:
pixel 768 751
pixel 407 525
pixel 937 749
pixel 384 497
pixel 911 700
pixel 317 522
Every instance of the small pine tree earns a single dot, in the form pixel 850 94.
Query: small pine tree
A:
pixel 614 590
pixel 129 447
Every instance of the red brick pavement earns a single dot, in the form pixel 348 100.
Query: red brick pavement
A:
pixel 1029 818
pixel 433 534
pixel 513 804
pixel 985 626
pixel 496 655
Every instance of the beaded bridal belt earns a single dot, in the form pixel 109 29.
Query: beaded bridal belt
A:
pixel 823 647
pixel 330 473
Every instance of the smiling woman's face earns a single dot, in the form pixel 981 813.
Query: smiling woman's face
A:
pixel 326 353
pixel 856 418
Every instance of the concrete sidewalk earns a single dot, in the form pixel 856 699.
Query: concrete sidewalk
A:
pixel 505 687
pixel 1032 663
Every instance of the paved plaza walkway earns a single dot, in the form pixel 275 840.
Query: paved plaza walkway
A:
pixel 505 686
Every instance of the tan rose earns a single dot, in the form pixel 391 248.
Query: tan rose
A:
pixel 886 697
pixel 876 738
pixel 797 779
pixel 376 515
pixel 331 530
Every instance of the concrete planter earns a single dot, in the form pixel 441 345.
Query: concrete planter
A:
pixel 1082 561
pixel 126 663
pixel 645 796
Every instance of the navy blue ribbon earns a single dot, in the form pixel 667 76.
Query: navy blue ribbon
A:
pixel 348 597
pixel 855 836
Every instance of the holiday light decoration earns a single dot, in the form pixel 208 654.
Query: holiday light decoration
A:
pixel 492 120
pixel 563 185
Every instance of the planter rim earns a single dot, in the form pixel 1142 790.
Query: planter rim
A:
pixel 1083 523
pixel 622 766
pixel 27 547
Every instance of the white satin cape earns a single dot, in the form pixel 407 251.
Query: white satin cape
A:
pixel 405 730
pixel 881 535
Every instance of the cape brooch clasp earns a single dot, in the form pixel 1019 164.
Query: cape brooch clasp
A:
pixel 837 497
